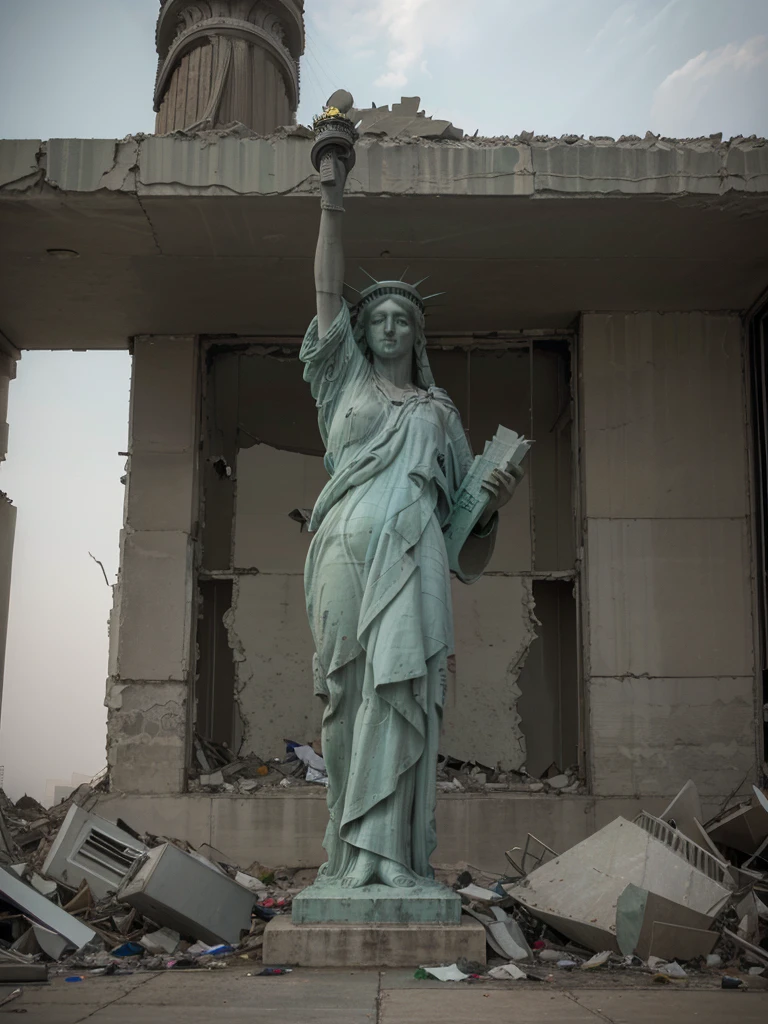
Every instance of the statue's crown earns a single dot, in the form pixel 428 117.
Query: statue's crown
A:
pixel 401 288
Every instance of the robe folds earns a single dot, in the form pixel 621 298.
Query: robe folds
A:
pixel 377 584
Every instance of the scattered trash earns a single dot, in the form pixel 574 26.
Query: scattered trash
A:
pixel 507 972
pixel 11 996
pixel 451 973
pixel 273 971
pixel 165 940
pixel 475 892
pixel 75 889
pixel 673 970
pixel 729 982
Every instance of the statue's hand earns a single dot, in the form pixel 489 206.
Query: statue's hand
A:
pixel 500 487
pixel 333 177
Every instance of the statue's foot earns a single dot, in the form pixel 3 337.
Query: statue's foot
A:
pixel 362 871
pixel 394 874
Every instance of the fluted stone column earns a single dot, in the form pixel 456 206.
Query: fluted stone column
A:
pixel 228 60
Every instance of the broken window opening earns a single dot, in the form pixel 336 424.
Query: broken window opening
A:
pixel 215 678
pixel 549 701
pixel 262 460
pixel 757 346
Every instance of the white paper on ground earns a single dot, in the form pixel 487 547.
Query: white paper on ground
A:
pixel 673 970
pixel 451 973
pixel 476 892
pixel 507 972
pixel 309 757
pixel 249 882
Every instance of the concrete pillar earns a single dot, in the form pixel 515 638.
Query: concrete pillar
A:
pixel 668 615
pixel 151 662
pixel 9 355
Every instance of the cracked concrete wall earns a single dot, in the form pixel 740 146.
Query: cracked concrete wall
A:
pixel 495 622
pixel 224 162
pixel 150 625
pixel 669 661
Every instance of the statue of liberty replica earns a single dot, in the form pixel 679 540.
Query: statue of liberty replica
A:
pixel 405 506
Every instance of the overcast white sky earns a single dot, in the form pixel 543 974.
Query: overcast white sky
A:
pixel 85 68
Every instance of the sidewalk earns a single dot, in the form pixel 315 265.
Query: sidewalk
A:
pixel 229 996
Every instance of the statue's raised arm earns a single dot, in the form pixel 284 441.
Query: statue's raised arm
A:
pixel 333 156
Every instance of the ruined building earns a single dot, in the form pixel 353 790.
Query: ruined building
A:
pixel 602 296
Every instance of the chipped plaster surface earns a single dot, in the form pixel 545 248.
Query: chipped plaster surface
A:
pixel 150 624
pixel 494 627
pixel 223 163
pixel 146 735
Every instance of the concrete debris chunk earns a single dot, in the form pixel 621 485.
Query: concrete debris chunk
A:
pixel 577 893
pixel 650 925
pixel 507 972
pixel 744 828
pixel 404 120
pixel 164 940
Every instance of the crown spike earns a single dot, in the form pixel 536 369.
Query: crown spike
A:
pixel 402 276
pixel 352 288
pixel 416 285
pixel 368 275
pixel 434 295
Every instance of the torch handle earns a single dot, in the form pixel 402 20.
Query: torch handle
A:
pixel 328 168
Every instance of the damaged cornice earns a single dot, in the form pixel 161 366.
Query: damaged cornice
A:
pixel 236 161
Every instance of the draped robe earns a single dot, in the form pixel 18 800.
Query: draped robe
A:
pixel 377 584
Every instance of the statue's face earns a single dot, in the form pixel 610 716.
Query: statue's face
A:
pixel 389 330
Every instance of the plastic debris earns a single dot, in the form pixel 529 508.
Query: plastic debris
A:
pixel 451 973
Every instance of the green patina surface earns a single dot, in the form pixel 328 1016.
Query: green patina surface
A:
pixel 379 904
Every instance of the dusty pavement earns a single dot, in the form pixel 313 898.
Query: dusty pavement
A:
pixel 229 996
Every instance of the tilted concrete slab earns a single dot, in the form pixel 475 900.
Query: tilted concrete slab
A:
pixel 577 893
pixel 216 234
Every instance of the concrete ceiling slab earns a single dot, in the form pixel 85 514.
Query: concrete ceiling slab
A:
pixel 172 235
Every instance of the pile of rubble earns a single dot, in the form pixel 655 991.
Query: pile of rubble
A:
pixel 454 776
pixel 219 770
pixel 80 893
pixel 670 896
pixel 647 896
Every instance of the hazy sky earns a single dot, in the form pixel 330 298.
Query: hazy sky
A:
pixel 85 68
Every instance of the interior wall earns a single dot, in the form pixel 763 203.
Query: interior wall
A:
pixel 263 458
pixel 669 658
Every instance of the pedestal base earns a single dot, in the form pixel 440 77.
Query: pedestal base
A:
pixel 371 945
pixel 324 902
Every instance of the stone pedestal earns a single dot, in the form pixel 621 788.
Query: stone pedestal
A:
pixel 377 904
pixel 371 944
